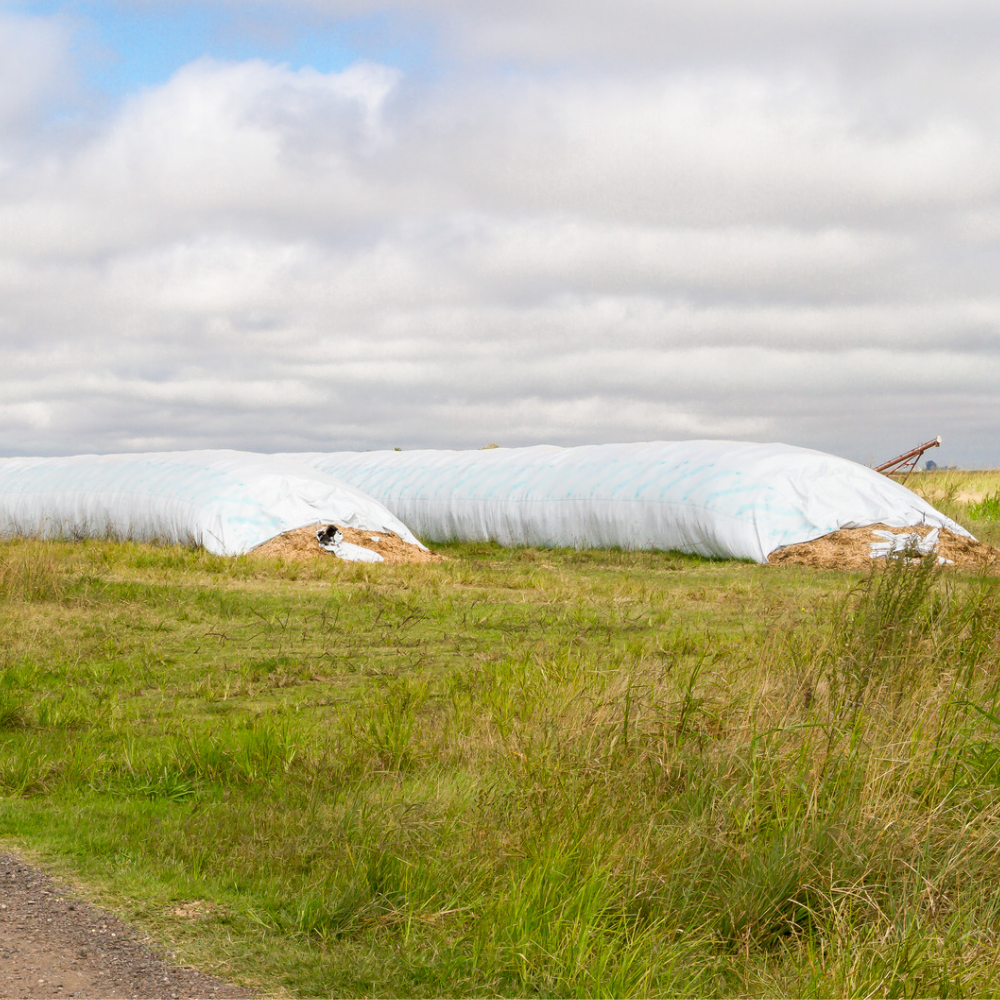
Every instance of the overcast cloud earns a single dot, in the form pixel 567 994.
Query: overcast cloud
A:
pixel 561 222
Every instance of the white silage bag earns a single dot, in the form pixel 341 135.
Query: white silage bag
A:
pixel 227 501
pixel 728 499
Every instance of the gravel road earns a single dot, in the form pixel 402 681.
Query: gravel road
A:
pixel 54 945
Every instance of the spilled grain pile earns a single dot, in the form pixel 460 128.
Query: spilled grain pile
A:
pixel 850 549
pixel 301 545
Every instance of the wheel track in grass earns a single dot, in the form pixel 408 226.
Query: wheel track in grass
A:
pixel 53 944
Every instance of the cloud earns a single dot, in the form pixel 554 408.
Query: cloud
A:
pixel 220 146
pixel 251 255
pixel 631 33
pixel 33 56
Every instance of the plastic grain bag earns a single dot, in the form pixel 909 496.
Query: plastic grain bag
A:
pixel 728 499
pixel 227 501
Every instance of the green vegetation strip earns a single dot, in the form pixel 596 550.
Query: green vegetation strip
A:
pixel 515 773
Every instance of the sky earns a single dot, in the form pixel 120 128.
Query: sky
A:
pixel 353 224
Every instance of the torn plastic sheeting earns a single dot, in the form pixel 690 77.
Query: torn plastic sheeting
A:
pixel 227 501
pixel 331 539
pixel 727 499
pixel 909 543
pixel 350 552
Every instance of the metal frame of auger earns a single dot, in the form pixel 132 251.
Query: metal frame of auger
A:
pixel 903 465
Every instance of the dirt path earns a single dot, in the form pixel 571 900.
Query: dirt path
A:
pixel 54 945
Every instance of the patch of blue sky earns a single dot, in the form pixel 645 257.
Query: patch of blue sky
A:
pixel 125 47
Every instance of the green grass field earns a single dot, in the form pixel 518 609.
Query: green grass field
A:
pixel 516 773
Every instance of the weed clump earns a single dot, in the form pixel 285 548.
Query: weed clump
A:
pixel 29 572
pixel 987 509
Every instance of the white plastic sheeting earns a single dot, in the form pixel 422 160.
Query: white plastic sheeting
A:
pixel 333 541
pixel 905 544
pixel 713 498
pixel 227 501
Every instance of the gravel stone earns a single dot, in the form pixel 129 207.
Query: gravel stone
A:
pixel 55 945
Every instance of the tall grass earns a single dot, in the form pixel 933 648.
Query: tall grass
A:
pixel 971 497
pixel 524 773
pixel 29 571
pixel 987 509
